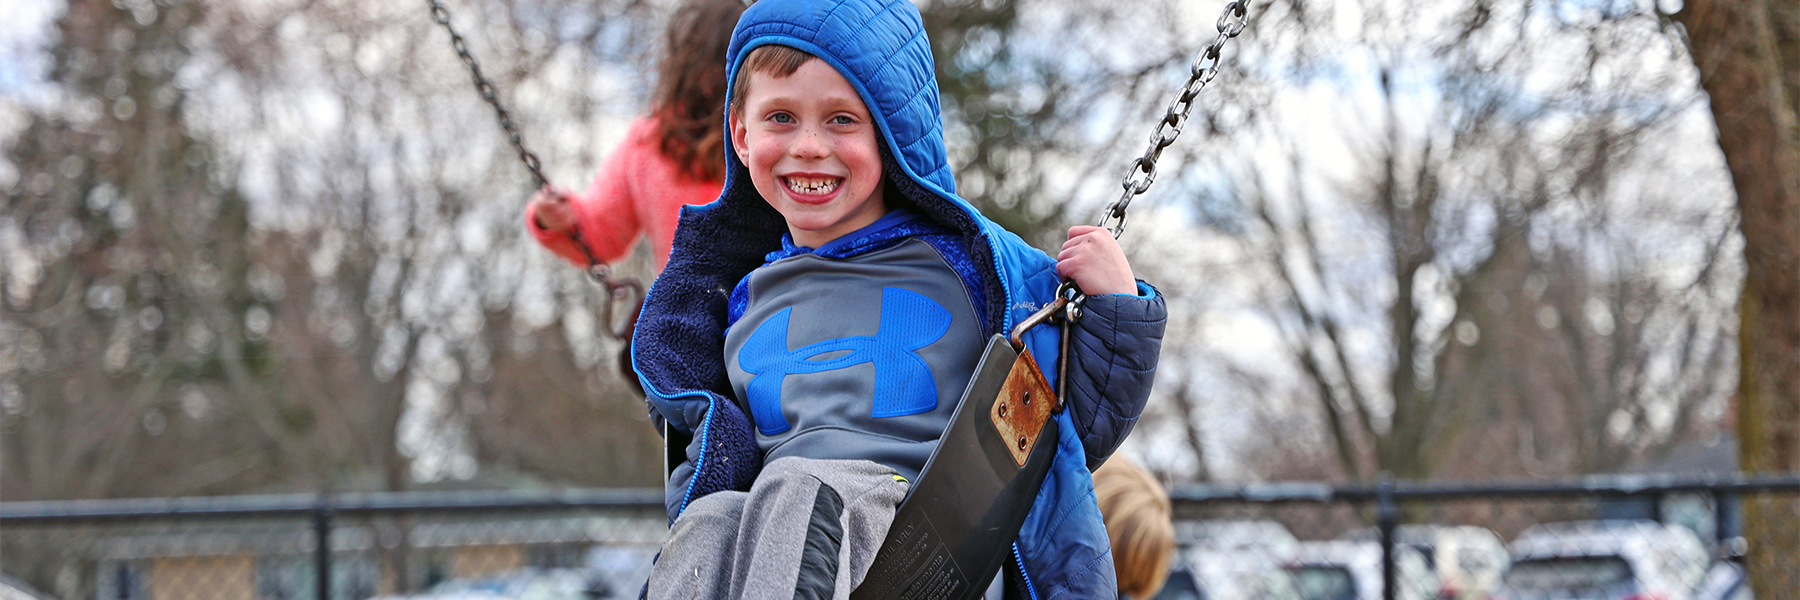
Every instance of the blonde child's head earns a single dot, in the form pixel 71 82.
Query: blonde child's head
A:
pixel 1137 514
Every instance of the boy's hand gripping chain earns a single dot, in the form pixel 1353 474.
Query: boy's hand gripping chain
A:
pixel 617 289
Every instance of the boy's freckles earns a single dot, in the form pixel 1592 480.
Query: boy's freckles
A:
pixel 810 146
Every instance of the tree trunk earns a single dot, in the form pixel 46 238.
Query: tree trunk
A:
pixel 1742 55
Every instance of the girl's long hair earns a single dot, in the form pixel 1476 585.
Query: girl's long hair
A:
pixel 690 87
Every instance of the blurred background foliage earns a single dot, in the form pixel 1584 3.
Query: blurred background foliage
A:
pixel 275 245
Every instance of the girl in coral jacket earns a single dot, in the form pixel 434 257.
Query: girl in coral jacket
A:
pixel 671 157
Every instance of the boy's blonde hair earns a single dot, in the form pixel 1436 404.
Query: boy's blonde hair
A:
pixel 774 60
pixel 1137 514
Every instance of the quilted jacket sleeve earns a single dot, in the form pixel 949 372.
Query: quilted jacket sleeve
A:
pixel 1113 354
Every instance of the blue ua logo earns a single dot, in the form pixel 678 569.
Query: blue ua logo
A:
pixel 903 382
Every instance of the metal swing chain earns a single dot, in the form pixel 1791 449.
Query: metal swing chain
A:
pixel 487 93
pixel 618 289
pixel 1067 306
pixel 1205 67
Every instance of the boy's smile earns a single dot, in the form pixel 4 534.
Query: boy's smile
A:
pixel 810 145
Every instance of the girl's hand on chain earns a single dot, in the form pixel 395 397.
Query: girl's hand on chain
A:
pixel 550 207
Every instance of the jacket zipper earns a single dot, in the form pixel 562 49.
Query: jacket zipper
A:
pixel 1019 561
pixel 699 461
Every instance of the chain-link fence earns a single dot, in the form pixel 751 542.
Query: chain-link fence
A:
pixel 582 544
pixel 1603 538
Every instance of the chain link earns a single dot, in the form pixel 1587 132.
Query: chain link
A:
pixel 1206 66
pixel 486 88
pixel 618 288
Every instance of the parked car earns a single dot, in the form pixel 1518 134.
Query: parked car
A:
pixel 1230 560
pixel 1604 560
pixel 1242 573
pixel 1725 581
pixel 1352 570
pixel 14 589
pixel 1269 536
pixel 524 584
pixel 625 567
pixel 1468 560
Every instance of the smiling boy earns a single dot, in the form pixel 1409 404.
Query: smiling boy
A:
pixel 816 325
pixel 809 144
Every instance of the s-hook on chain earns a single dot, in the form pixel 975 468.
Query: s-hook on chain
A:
pixel 1206 66
pixel 618 289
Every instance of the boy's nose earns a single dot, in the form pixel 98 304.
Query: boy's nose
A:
pixel 809 144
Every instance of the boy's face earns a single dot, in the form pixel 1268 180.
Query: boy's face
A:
pixel 810 145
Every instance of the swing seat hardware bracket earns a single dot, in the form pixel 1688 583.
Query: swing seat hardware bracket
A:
pixel 1023 407
pixel 1048 312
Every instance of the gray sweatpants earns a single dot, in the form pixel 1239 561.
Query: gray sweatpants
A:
pixel 807 529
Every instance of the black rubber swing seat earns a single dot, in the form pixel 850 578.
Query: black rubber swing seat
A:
pixel 956 527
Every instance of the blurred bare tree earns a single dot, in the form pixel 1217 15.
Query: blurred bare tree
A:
pixel 1746 53
pixel 133 362
pixel 135 358
pixel 1488 235
pixel 274 246
pixel 430 345
pixel 265 246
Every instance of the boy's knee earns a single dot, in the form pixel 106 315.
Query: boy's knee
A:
pixel 714 506
pixel 789 467
pixel 848 477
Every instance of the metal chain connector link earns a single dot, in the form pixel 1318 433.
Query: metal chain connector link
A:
pixel 1143 170
pixel 617 289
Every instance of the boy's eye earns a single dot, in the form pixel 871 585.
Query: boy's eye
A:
pixel 783 118
pixel 843 120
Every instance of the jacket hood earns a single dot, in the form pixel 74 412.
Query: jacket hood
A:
pixel 880 47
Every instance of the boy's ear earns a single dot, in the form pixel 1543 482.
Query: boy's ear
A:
pixel 738 132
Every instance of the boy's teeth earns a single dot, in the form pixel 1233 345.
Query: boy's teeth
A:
pixel 811 186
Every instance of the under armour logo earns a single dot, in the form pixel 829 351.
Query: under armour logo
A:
pixel 903 382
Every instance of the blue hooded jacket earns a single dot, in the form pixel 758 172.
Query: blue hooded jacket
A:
pixel 880 47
